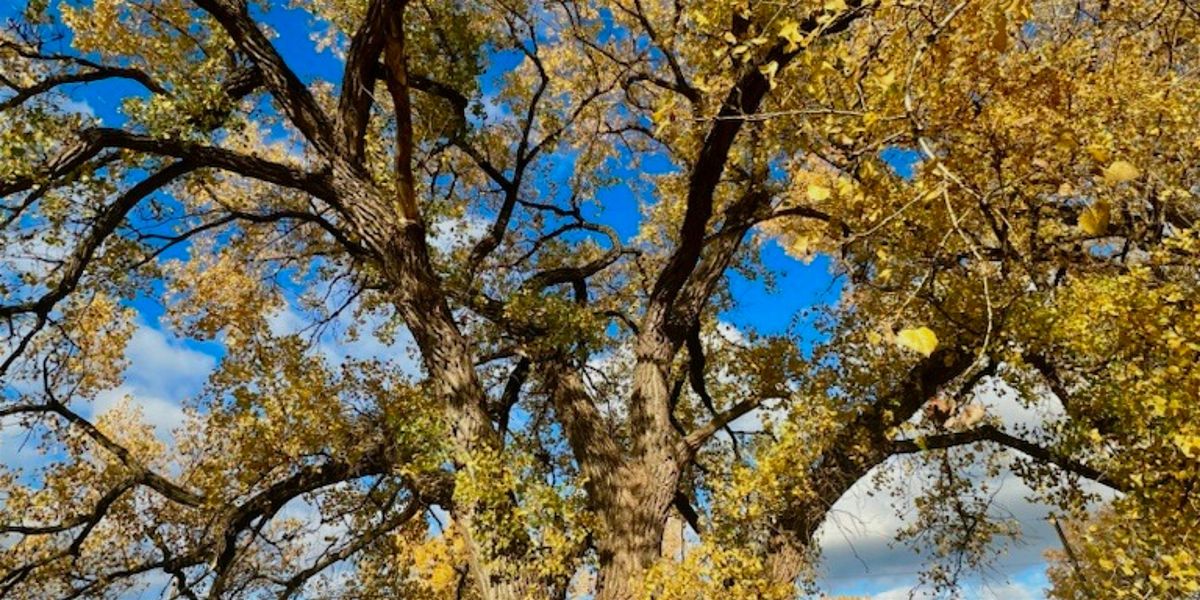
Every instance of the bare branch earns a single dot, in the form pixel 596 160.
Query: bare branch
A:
pixel 697 438
pixel 991 433
pixel 98 73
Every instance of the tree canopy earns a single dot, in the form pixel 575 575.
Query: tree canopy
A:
pixel 581 421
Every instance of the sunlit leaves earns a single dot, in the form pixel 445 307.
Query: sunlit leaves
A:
pixel 1120 171
pixel 1094 219
pixel 789 32
pixel 818 193
pixel 920 339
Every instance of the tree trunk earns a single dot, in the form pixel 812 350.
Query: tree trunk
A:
pixel 450 363
pixel 634 525
pixel 645 488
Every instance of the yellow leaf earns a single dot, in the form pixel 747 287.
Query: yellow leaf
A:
pixel 1098 152
pixel 921 339
pixel 818 192
pixel 1188 444
pixel 1120 171
pixel 768 70
pixel 789 32
pixel 1094 219
pixel 663 117
pixel 887 79
pixel 800 247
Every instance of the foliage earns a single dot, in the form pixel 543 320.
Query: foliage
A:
pixel 576 387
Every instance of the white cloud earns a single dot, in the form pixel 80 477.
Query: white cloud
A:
pixel 18 447
pixel 452 233
pixel 35 257
pixel 163 414
pixel 79 107
pixel 164 365
pixel 163 371
pixel 857 540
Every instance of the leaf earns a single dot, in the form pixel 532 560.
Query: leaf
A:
pixel 1189 445
pixel 817 192
pixel 887 80
pixel 1120 171
pixel 789 32
pixel 768 70
pixel 1098 152
pixel 663 117
pixel 1094 219
pixel 921 339
pixel 801 247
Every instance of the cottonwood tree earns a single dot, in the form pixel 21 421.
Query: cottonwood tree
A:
pixel 577 393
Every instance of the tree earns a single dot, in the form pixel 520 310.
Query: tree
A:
pixel 577 390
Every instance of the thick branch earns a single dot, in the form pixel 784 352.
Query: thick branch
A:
pixel 859 447
pixel 395 58
pixel 358 79
pixel 287 89
pixel 77 153
pixel 211 156
pixel 744 98
pixel 591 442
pixel 142 474
pixel 697 438
pixel 268 502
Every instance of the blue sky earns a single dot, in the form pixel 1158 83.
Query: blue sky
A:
pixel 858 561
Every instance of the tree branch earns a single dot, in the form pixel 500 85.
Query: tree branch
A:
pixel 287 89
pixel 696 439
pixel 990 433
pixel 214 157
pixel 105 224
pixel 359 76
pixel 98 73
pixel 744 98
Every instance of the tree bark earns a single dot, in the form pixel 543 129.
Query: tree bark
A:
pixel 634 524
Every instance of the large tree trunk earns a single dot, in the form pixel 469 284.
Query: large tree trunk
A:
pixel 634 525
pixel 630 490
pixel 449 361
pixel 646 485
pixel 393 228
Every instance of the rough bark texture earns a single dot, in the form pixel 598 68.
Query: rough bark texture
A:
pixel 632 476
